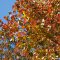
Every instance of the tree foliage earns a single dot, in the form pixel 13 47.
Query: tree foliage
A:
pixel 32 31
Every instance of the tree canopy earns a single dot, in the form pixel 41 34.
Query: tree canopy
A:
pixel 32 31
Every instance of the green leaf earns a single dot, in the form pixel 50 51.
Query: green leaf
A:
pixel 29 47
pixel 31 54
pixel 23 58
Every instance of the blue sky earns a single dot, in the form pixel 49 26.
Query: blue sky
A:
pixel 5 7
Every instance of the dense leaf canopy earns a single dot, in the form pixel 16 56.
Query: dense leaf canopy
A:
pixel 32 31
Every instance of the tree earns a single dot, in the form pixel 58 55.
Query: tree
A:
pixel 32 31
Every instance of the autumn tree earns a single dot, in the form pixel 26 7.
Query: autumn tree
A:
pixel 32 31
